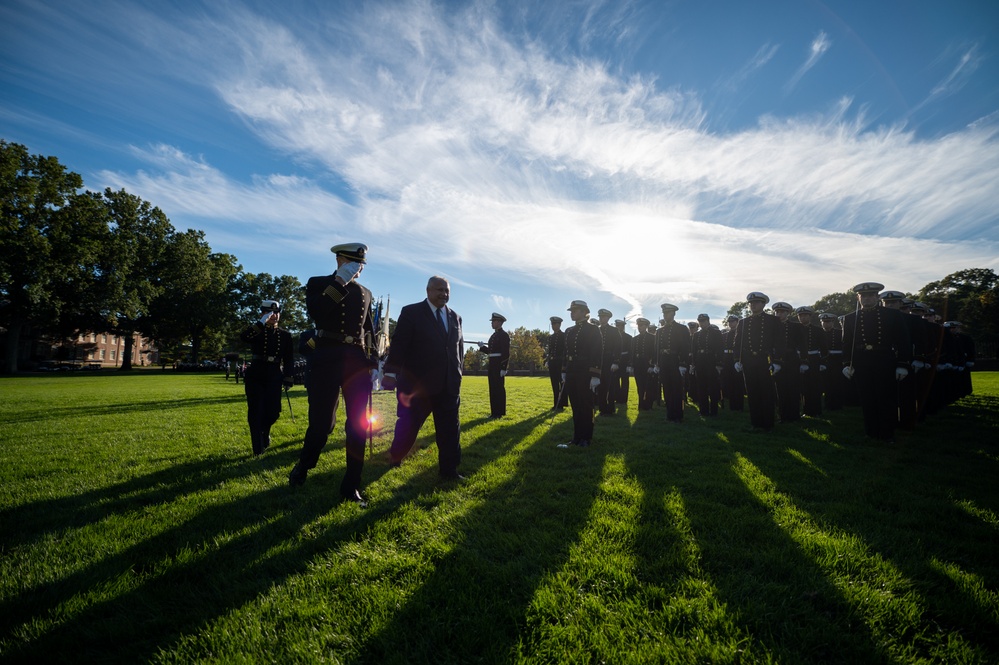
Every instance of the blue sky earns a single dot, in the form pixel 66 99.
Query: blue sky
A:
pixel 625 153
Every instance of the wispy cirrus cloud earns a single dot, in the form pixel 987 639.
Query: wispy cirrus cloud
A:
pixel 457 140
pixel 818 48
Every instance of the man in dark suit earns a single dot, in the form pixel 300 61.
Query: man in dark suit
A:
pixel 343 360
pixel 814 351
pixel 424 365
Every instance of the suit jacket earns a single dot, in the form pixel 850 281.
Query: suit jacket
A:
pixel 422 357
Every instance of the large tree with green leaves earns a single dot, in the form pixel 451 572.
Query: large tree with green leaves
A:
pixel 970 296
pixel 49 239
pixel 129 267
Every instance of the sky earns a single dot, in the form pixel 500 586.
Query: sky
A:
pixel 623 153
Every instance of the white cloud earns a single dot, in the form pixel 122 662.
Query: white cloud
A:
pixel 495 158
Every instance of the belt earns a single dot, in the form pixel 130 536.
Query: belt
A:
pixel 704 352
pixel 338 337
pixel 495 355
pixel 836 353
pixel 728 351
pixel 270 359
pixel 814 353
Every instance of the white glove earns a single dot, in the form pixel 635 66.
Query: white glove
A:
pixel 630 370
pixel 774 368
pixel 655 370
pixel 802 368
pixel 614 367
pixel 969 364
pixel 376 379
pixel 349 271
pixel 563 377
pixel 917 365
pixel 502 372
pixel 683 370
pixel 737 366
pixel 594 383
pixel 901 373
pixel 265 318
pixel 822 368
pixel 651 370
pixel 848 372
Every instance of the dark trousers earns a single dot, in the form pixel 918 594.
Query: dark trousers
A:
pixel 707 387
pixel 622 384
pixel 759 392
pixel 646 385
pixel 907 402
pixel 811 388
pixel 497 391
pixel 262 385
pixel 335 369
pixel 832 382
pixel 581 400
pixel 788 383
pixel 878 391
pixel 606 391
pixel 733 386
pixel 557 390
pixel 673 387
pixel 412 411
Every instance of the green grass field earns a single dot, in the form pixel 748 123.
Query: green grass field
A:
pixel 136 527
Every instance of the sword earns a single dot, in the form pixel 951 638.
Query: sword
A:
pixel 286 394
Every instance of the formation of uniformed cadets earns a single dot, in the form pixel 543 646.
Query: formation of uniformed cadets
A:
pixel 891 356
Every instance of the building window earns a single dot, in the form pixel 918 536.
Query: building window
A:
pixel 102 354
pixel 112 354
pixel 104 338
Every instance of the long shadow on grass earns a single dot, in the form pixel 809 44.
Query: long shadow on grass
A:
pixel 907 503
pixel 471 608
pixel 769 588
pixel 32 521
pixel 184 578
pixel 156 406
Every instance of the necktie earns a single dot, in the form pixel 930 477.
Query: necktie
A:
pixel 440 321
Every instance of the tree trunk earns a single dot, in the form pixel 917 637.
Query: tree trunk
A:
pixel 13 344
pixel 126 354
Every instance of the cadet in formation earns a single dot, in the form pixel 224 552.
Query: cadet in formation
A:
pixel 582 372
pixel 498 352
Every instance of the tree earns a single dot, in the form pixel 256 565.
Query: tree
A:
pixel 836 303
pixel 129 267
pixel 199 301
pixel 970 296
pixel 47 237
pixel 740 309
pixel 525 351
pixel 473 360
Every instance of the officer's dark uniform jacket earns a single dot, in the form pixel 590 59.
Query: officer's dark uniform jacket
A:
pixel 270 347
pixel 583 350
pixel 342 314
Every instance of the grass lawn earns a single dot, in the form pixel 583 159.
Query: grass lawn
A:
pixel 136 527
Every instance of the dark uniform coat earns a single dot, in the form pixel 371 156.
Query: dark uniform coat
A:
pixel 583 351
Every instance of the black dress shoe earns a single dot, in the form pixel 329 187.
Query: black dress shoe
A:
pixel 583 443
pixel 297 476
pixel 355 497
pixel 452 477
